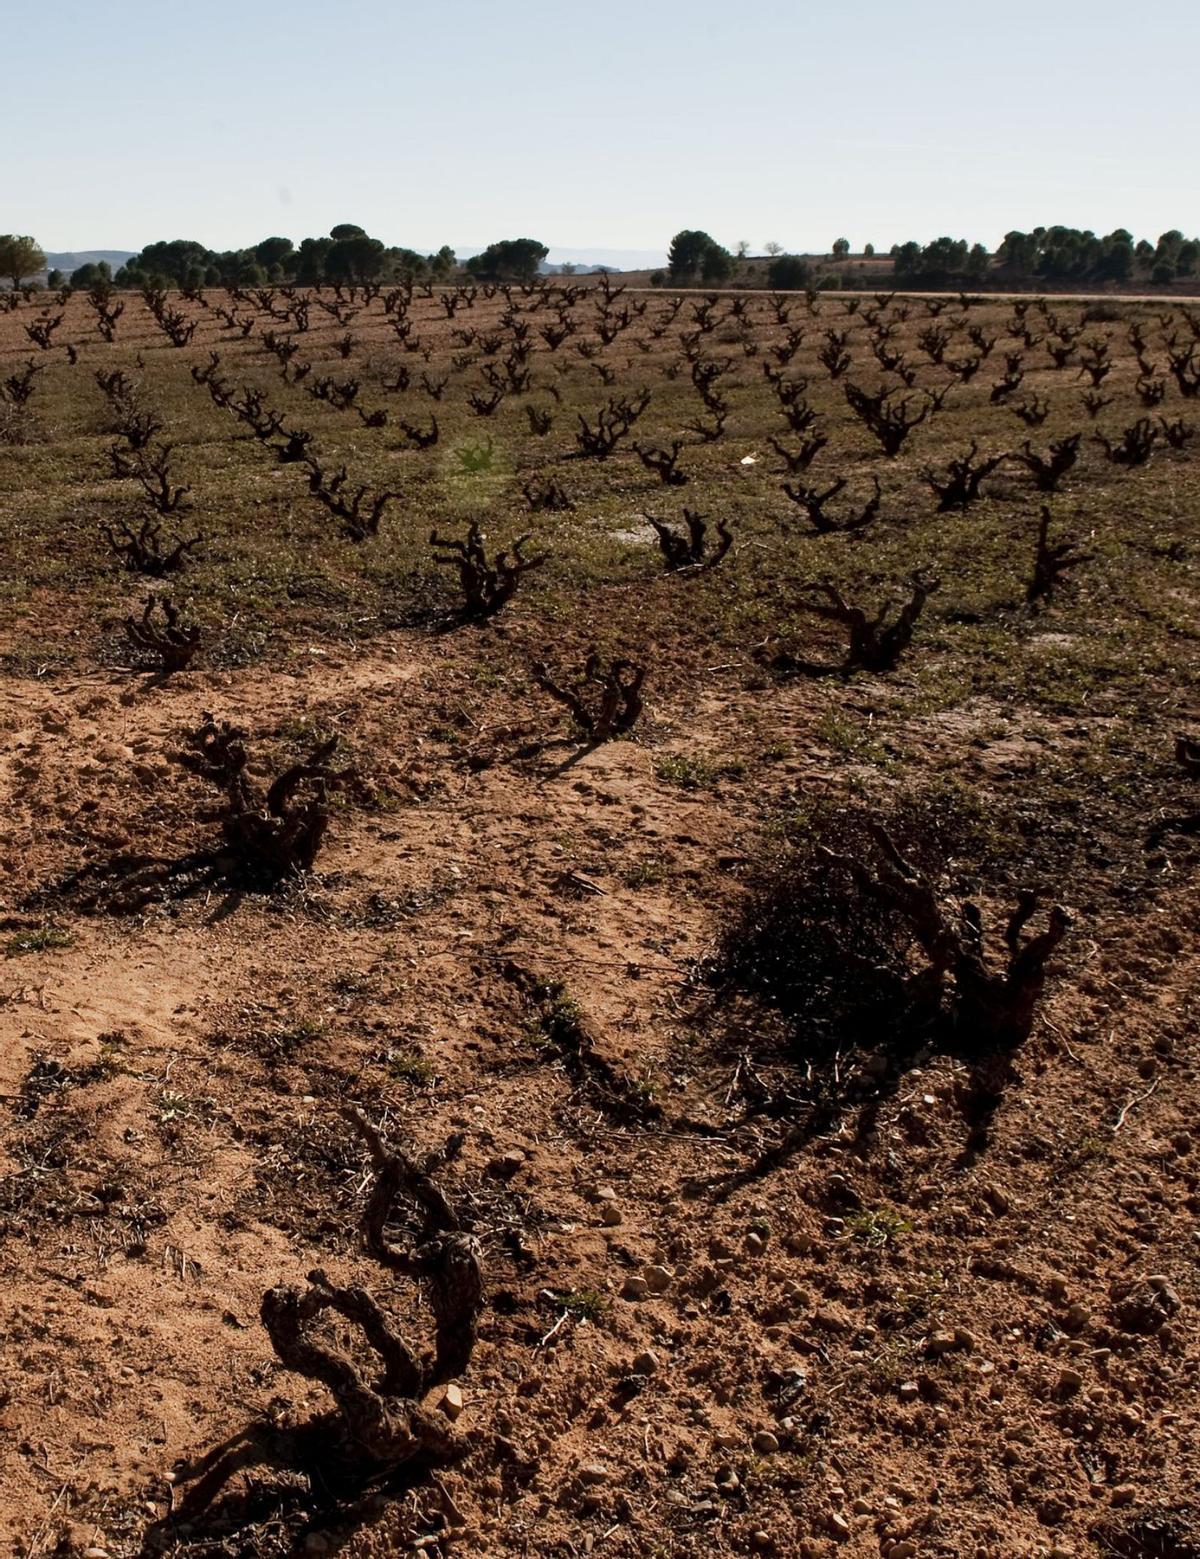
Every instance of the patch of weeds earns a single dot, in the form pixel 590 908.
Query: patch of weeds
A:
pixel 694 772
pixel 913 1304
pixel 174 1107
pixel 558 1029
pixel 646 873
pixel 581 1304
pixel 287 1041
pixel 557 1025
pixel 351 984
pixel 785 1470
pixel 43 940
pixel 852 738
pixel 877 1226
pixel 409 1066
pixel 111 1060
pixel 643 1089
pixel 686 772
pixel 474 458
pixel 894 1365
pixel 1089 1149
pixel 35 661
pixel 300 737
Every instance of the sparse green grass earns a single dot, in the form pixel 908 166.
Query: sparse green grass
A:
pixel 44 940
pixel 853 738
pixel 111 1060
pixel 556 1025
pixel 174 1107
pixel 688 772
pixel 293 1037
pixel 582 1304
pixel 1088 1149
pixel 409 1066
pixel 649 872
pixel 877 1226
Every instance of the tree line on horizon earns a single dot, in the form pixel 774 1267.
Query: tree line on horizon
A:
pixel 1059 255
pixel 347 254
pixel 1053 255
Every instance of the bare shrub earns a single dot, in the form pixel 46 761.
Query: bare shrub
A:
pixel 613 423
pixel 691 551
pixel 486 584
pixel 1052 562
pixel 875 644
pixel 143 551
pixel 813 502
pixel 1134 447
pixel 604 700
pixel 1048 470
pixel 158 637
pixel 959 485
pixel 280 830
pixel 852 942
pixel 889 420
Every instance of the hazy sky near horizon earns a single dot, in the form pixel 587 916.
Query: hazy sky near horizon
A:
pixel 609 124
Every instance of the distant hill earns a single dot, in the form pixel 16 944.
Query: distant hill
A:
pixel 583 260
pixel 608 259
pixel 71 262
pixel 587 259
pixel 573 268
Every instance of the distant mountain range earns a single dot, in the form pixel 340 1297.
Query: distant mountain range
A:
pixel 609 259
pixel 69 262
pixel 583 259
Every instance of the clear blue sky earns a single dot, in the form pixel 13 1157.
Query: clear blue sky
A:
pixel 596 123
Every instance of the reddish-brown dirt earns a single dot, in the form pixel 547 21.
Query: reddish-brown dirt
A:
pixel 176 1148
pixel 738 1300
